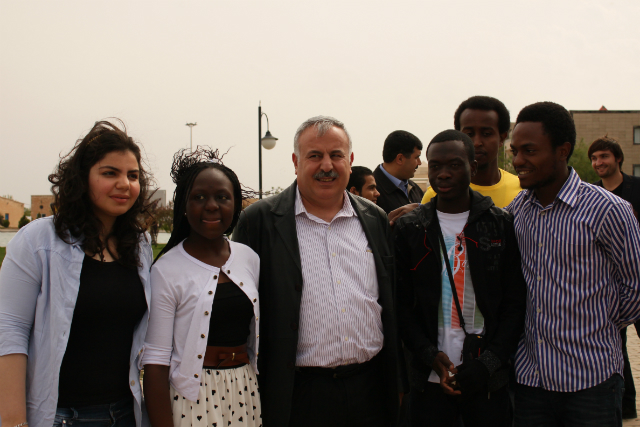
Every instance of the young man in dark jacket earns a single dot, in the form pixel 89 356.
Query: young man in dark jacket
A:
pixel 484 260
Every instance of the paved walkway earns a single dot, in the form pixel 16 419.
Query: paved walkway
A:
pixel 633 347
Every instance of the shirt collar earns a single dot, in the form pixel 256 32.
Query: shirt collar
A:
pixel 567 194
pixel 400 183
pixel 346 210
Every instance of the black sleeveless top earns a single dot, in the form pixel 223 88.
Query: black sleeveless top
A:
pixel 231 316
pixel 95 367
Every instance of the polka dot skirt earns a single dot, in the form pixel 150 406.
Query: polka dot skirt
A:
pixel 227 398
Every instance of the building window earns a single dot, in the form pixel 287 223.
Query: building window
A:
pixel 636 170
pixel 41 207
pixel 636 135
pixel 6 216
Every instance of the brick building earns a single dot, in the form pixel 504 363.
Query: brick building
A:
pixel 41 206
pixel 622 125
pixel 11 210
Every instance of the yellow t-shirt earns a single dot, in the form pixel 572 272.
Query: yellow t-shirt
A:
pixel 501 193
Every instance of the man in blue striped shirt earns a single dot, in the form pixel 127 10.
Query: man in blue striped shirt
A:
pixel 579 257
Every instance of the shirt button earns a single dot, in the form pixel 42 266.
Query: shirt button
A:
pixel 338 282
pixel 539 340
pixel 210 292
pixel 542 213
pixel 539 310
pixel 256 317
pixel 344 309
pixel 536 372
pixel 133 382
pixel 254 300
pixel 199 356
pixel 202 336
pixel 215 277
pixel 333 254
pixel 539 245
pixel 346 338
pixel 257 336
pixel 195 375
pixel 228 271
pixel 241 284
pixel 539 278
pixel 206 313
pixel 329 227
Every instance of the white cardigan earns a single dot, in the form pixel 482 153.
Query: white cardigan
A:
pixel 183 292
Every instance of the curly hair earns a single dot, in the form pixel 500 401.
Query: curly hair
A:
pixel 73 215
pixel 186 167
pixel 557 122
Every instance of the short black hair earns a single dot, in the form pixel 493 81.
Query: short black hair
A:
pixel 455 135
pixel 606 143
pixel 358 177
pixel 399 142
pixel 557 122
pixel 484 103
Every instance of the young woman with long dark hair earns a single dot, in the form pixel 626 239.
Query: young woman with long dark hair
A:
pixel 201 347
pixel 74 291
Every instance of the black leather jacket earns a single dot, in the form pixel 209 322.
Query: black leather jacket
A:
pixel 494 261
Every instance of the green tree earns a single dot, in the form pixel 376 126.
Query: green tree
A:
pixel 582 164
pixel 4 222
pixel 505 160
pixel 27 212
pixel 23 221
pixel 164 217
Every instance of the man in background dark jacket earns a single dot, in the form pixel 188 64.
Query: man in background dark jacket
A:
pixel 606 157
pixel 481 249
pixel 401 158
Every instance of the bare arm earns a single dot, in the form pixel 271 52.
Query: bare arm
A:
pixel 13 374
pixel 156 392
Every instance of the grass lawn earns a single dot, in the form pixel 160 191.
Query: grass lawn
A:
pixel 3 252
pixel 156 249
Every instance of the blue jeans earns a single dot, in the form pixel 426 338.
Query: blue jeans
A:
pixel 118 414
pixel 600 406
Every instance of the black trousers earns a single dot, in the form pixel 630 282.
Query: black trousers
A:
pixel 434 408
pixel 320 400
pixel 629 397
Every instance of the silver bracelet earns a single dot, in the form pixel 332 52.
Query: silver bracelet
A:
pixel 22 424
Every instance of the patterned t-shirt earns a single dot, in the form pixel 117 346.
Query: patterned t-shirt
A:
pixel 450 333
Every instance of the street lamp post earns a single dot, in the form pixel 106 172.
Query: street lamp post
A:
pixel 268 142
pixel 191 125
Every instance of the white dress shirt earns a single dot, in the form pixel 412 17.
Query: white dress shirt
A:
pixel 183 292
pixel 340 318
pixel 39 284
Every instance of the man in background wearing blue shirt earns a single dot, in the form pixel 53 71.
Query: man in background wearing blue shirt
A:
pixel 579 258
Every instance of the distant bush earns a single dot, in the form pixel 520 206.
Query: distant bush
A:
pixel 4 223
pixel 23 221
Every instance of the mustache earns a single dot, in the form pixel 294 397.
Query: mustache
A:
pixel 330 174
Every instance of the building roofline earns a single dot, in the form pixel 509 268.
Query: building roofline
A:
pixel 604 111
pixel 11 200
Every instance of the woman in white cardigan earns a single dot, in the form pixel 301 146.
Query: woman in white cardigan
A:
pixel 74 291
pixel 201 347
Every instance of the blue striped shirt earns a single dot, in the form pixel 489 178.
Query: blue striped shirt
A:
pixel 580 262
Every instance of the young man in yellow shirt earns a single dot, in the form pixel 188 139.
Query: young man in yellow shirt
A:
pixel 486 120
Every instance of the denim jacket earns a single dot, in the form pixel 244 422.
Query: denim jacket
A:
pixel 39 283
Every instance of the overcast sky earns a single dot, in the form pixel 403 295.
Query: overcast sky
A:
pixel 378 66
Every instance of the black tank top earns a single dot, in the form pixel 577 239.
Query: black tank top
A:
pixel 95 367
pixel 231 316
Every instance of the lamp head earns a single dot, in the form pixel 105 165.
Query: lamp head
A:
pixel 269 141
